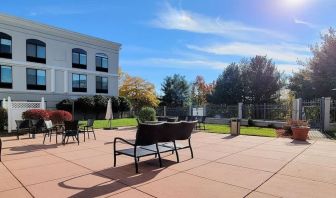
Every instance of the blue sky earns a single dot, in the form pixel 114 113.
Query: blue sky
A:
pixel 190 37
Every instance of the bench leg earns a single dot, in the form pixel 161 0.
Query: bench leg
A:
pixel 177 155
pixel 191 151
pixel 136 164
pixel 158 153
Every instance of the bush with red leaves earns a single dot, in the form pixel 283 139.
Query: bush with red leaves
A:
pixel 59 116
pixel 35 114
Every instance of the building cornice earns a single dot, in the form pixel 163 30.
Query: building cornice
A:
pixel 57 32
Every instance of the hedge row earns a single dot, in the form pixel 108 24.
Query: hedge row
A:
pixel 56 116
pixel 95 104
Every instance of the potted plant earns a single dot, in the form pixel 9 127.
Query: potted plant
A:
pixel 299 129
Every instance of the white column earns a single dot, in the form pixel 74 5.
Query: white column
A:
pixel 66 76
pixel 326 123
pixel 240 110
pixel 9 115
pixel 43 106
pixel 52 75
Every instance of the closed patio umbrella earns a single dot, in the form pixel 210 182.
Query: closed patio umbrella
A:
pixel 109 113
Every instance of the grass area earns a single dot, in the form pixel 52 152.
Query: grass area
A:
pixel 256 131
pixel 212 128
pixel 100 124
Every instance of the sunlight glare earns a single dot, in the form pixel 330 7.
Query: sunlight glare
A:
pixel 294 3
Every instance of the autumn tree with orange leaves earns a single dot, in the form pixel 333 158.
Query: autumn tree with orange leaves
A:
pixel 140 92
pixel 199 91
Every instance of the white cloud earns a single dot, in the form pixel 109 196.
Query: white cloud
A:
pixel 175 63
pixel 179 19
pixel 278 52
pixel 306 23
pixel 289 68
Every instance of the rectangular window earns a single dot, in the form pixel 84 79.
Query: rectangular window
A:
pixel 79 83
pixel 6 77
pixel 6 46
pixel 79 60
pixel 101 84
pixel 36 79
pixel 101 63
pixel 36 53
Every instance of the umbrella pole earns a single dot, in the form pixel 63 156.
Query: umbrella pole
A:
pixel 110 123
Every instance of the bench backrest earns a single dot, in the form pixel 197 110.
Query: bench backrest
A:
pixel 168 131
pixel 147 134
pixel 185 130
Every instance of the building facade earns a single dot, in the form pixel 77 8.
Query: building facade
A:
pixel 37 61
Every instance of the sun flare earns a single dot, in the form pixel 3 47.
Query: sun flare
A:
pixel 294 3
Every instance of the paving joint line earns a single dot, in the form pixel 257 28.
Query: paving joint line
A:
pixel 281 168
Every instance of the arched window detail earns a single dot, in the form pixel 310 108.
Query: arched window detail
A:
pixel 101 62
pixel 36 51
pixel 5 45
pixel 79 58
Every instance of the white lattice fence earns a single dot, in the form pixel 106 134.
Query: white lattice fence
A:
pixel 15 110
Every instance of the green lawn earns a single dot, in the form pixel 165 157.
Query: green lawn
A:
pixel 256 131
pixel 100 124
pixel 212 128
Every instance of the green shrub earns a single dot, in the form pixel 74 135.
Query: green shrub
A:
pixel 3 118
pixel 250 122
pixel 147 114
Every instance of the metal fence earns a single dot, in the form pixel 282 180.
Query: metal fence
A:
pixel 173 111
pixel 333 111
pixel 279 112
pixel 221 110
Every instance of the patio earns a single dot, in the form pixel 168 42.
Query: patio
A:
pixel 224 166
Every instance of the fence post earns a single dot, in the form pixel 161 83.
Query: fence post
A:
pixel 326 116
pixel 9 114
pixel 240 110
pixel 164 111
pixel 42 105
pixel 264 111
pixel 204 110
pixel 297 108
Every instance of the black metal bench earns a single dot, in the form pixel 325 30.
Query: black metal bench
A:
pixel 147 134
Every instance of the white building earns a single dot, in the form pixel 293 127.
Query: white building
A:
pixel 38 60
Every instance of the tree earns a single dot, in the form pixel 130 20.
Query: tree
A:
pixel 140 92
pixel 124 105
pixel 85 104
pixel 176 91
pixel 200 90
pixel 261 80
pixel 228 87
pixel 100 104
pixel 300 83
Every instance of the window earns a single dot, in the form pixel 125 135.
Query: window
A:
pixel 101 84
pixel 79 58
pixel 5 46
pixel 36 51
pixel 79 83
pixel 101 62
pixel 36 79
pixel 6 77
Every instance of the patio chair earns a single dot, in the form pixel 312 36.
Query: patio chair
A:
pixel 162 119
pixel 70 130
pixel 201 122
pixel 182 118
pixel 23 126
pixel 51 129
pixel 36 125
pixel 147 134
pixel 182 133
pixel 88 128
pixel 172 119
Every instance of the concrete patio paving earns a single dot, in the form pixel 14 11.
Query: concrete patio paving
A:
pixel 224 166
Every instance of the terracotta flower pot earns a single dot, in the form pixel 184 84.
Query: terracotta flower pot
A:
pixel 300 133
